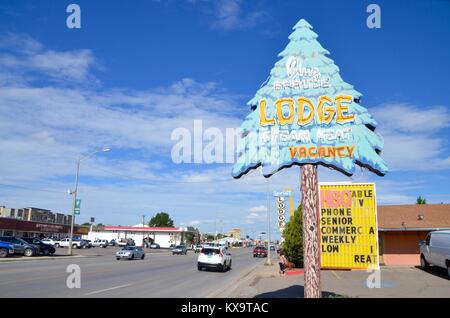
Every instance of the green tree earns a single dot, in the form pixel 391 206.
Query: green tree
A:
pixel 421 200
pixel 293 239
pixel 220 236
pixel 161 219
pixel 189 237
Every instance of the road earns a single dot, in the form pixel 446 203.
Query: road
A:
pixel 160 274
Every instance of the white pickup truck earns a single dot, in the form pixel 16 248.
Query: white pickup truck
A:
pixel 75 243
pixel 435 250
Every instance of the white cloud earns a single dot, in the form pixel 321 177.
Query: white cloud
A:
pixel 26 56
pixel 229 15
pixel 411 118
pixel 412 136
pixel 259 208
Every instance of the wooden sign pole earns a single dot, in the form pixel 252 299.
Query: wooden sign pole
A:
pixel 311 244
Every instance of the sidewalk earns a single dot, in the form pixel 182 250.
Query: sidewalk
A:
pixel 264 282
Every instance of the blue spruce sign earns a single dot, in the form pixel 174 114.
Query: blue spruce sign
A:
pixel 305 113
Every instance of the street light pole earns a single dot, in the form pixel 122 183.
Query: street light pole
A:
pixel 74 204
pixel 75 192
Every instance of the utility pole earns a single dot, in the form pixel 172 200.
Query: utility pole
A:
pixel 75 192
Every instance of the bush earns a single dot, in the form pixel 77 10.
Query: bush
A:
pixel 293 239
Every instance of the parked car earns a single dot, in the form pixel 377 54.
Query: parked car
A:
pixel 20 246
pixel 75 243
pixel 6 249
pixel 88 244
pixel 49 241
pixel 130 252
pixel 260 251
pixel 435 250
pixel 155 245
pixel 44 248
pixel 100 243
pixel 215 257
pixel 112 242
pixel 126 242
pixel 179 249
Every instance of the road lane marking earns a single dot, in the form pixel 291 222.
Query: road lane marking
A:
pixel 107 289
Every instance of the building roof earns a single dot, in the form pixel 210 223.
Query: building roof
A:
pixel 414 216
pixel 143 229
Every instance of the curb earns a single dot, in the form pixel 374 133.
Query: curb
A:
pixel 299 271
pixel 44 259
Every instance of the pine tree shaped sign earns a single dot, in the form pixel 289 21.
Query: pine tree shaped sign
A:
pixel 305 113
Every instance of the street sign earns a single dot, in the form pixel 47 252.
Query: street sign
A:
pixel 77 207
pixel 348 226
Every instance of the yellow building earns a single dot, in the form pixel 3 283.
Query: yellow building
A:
pixel 235 233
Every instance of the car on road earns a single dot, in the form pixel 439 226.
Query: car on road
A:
pixel 179 249
pixel 260 251
pixel 100 243
pixel 75 243
pixel 435 250
pixel 130 252
pixel 155 245
pixel 44 248
pixel 20 246
pixel 216 257
pixel 6 249
pixel 198 248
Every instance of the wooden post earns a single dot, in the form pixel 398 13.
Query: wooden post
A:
pixel 311 243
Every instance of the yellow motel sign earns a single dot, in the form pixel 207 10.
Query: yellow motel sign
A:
pixel 348 226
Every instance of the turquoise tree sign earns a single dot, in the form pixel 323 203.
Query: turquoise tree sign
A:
pixel 306 114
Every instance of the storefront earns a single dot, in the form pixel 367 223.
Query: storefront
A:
pixel 402 227
pixel 14 227
pixel 164 236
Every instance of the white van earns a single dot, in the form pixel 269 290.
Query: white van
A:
pixel 435 250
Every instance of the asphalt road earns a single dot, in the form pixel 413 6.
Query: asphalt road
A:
pixel 160 274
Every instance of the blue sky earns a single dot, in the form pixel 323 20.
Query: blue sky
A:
pixel 136 70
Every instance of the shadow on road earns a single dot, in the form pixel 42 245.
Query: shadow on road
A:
pixel 435 271
pixel 295 291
